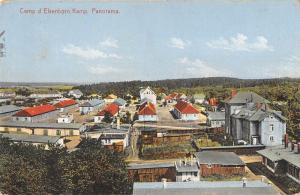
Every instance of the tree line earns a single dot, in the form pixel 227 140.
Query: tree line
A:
pixel 92 169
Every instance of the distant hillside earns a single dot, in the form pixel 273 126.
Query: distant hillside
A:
pixel 132 87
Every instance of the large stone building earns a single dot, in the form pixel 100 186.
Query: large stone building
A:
pixel 248 117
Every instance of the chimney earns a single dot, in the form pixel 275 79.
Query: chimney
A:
pixel 118 122
pixel 164 181
pixel 233 92
pixel 286 140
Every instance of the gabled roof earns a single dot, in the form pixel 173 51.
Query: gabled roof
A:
pixel 246 97
pixel 34 111
pixel 120 102
pixel 221 158
pixel 186 108
pixel 280 153
pixel 92 103
pixel 65 103
pixel 147 88
pixel 31 138
pixel 257 114
pixel 8 108
pixel 147 108
pixel 112 109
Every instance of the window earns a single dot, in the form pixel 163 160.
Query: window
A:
pixel 58 132
pixel 208 165
pixel 271 138
pixel 18 129
pixel 6 129
pixel 195 174
pixel 71 132
pixel 45 132
pixel 272 127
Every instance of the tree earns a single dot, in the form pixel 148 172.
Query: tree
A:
pixel 107 117
pixel 93 169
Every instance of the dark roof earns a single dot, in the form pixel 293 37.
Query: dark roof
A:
pixel 31 138
pixel 280 153
pixel 41 125
pixel 92 103
pixel 150 165
pixel 246 97
pixel 8 109
pixel 112 136
pixel 257 114
pixel 203 188
pixel 221 158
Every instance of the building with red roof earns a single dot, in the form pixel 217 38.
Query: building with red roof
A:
pixel 66 104
pixel 186 111
pixel 112 109
pixel 147 112
pixel 37 113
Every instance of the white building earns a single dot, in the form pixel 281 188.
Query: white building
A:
pixel 65 118
pixel 216 119
pixel 187 170
pixel 76 93
pixel 45 95
pixel 147 95
pixel 90 106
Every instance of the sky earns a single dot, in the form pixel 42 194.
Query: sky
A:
pixel 149 40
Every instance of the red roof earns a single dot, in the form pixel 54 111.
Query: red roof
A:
pixel 213 101
pixel 147 108
pixel 112 109
pixel 65 103
pixel 173 95
pixel 33 111
pixel 186 108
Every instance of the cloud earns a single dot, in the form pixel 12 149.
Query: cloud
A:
pixel 290 68
pixel 110 42
pixel 199 68
pixel 179 43
pixel 240 43
pixel 88 53
pixel 102 70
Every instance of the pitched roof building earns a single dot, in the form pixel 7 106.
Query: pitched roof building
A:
pixel 65 103
pixel 147 112
pixel 186 111
pixel 264 125
pixel 34 114
pixel 8 109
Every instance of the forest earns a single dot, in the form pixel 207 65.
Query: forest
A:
pixel 284 93
pixel 92 169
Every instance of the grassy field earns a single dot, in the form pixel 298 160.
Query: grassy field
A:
pixel 42 89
